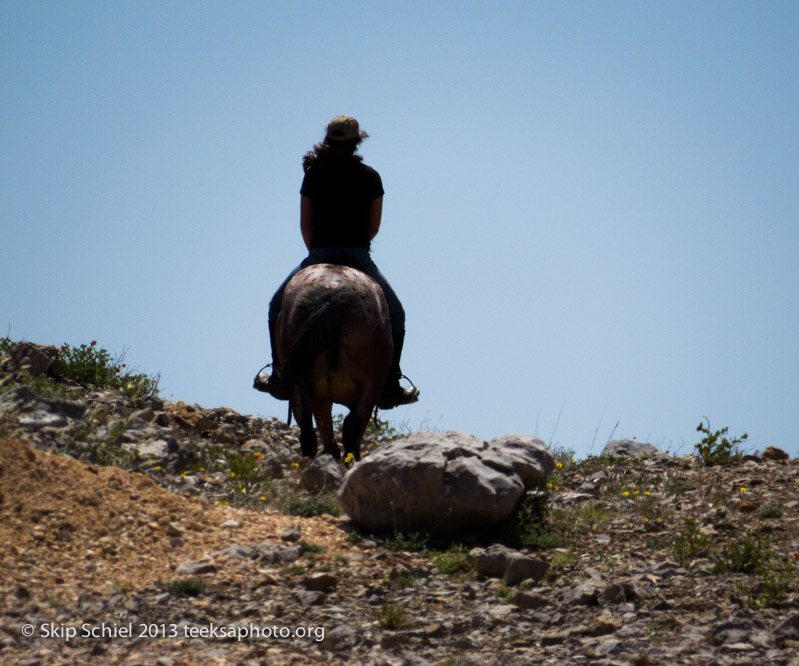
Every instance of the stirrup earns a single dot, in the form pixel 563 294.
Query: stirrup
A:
pixel 261 383
pixel 270 384
pixel 399 395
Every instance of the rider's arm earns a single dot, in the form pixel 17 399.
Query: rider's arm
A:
pixel 306 220
pixel 375 215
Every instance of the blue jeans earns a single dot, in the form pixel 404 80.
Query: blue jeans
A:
pixel 354 257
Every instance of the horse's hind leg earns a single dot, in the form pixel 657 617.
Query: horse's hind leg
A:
pixel 353 428
pixel 324 421
pixel 304 417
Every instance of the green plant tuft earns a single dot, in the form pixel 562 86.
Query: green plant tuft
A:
pixel 186 587
pixel 392 616
pixel 453 561
pixel 408 541
pixel 690 542
pixel 717 449
pixel 528 525
pixel 310 505
pixel 749 555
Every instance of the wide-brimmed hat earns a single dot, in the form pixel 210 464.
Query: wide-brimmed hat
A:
pixel 344 128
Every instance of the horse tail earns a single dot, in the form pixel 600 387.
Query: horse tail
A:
pixel 320 334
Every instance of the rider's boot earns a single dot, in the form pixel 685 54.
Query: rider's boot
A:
pixel 393 393
pixel 271 383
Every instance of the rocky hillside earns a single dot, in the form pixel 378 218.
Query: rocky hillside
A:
pixel 135 530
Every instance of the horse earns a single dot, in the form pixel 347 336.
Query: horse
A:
pixel 333 339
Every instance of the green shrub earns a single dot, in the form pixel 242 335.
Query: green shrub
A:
pixel 310 505
pixel 689 542
pixel 91 365
pixel 771 511
pixel 772 587
pixel 749 555
pixel 529 526
pixel 717 449
pixel 6 344
pixel 452 561
pixel 392 616
pixel 185 587
pixel 408 541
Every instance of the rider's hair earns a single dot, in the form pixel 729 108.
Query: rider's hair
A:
pixel 332 150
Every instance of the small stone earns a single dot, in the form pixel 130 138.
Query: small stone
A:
pixel 773 453
pixel 340 638
pixel 611 646
pixel 789 629
pixel 309 597
pixel 196 568
pixel 239 552
pixel 267 578
pixel 529 600
pixel 600 626
pixel 291 535
pixel 731 631
pixel 142 416
pixel 231 524
pixel 500 611
pixel 583 595
pixel 554 638
pixel 224 434
pixel 521 568
pixel 392 639
pixel 155 448
pixel 173 530
pixel 323 582
pixel 324 474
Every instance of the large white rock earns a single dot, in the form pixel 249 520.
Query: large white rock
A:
pixel 443 482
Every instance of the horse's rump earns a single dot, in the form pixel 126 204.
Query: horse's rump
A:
pixel 334 340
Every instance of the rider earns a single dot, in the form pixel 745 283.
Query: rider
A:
pixel 340 212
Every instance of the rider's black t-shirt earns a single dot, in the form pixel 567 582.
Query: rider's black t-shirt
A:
pixel 341 192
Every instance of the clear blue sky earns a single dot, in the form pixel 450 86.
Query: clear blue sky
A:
pixel 591 210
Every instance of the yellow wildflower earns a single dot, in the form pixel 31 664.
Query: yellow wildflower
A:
pixel 626 493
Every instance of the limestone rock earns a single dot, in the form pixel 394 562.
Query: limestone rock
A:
pixel 321 582
pixel 628 447
pixel 443 482
pixel 33 359
pixel 323 474
pixel 773 453
pixel 196 568
pixel 513 567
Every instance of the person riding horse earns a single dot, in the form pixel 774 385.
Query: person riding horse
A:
pixel 341 208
